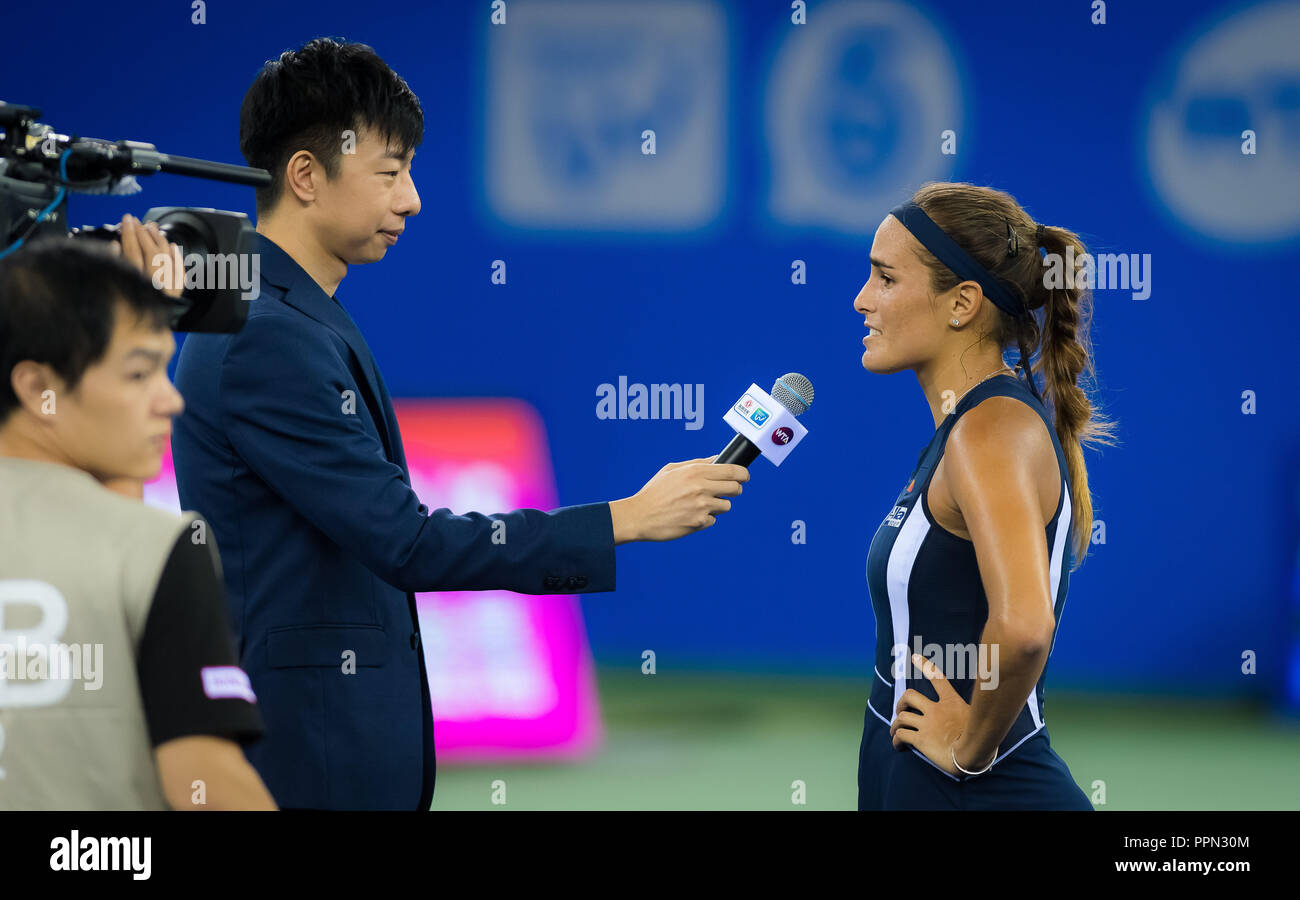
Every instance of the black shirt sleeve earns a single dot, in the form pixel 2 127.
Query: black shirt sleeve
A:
pixel 190 679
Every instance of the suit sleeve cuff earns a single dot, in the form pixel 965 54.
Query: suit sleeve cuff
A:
pixel 588 538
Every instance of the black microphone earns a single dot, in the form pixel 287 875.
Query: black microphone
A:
pixel 795 393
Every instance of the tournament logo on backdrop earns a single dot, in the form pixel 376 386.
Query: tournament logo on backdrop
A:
pixel 572 90
pixel 857 102
pixel 1241 75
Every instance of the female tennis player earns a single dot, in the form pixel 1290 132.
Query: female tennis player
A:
pixel 968 573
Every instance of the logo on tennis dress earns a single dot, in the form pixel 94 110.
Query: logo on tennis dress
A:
pixel 895 518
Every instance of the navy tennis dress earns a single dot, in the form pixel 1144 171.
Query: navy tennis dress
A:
pixel 925 584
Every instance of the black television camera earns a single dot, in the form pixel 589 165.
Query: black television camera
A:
pixel 39 167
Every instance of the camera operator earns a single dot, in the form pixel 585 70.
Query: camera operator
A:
pixel 125 691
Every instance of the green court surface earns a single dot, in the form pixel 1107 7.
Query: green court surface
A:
pixel 739 742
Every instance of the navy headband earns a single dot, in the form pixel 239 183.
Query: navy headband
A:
pixel 961 263
pixel 965 267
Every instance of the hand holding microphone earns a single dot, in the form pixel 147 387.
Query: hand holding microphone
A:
pixel 682 498
pixel 685 497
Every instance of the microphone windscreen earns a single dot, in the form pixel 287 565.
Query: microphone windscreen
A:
pixel 794 392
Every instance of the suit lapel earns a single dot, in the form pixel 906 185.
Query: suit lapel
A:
pixel 305 295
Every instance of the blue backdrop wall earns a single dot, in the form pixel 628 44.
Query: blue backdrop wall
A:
pixel 778 142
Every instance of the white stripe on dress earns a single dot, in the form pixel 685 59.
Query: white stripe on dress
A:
pixel 1058 555
pixel 898 576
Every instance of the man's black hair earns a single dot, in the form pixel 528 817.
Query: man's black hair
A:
pixel 307 98
pixel 58 304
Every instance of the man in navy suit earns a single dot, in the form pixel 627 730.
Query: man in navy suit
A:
pixel 323 542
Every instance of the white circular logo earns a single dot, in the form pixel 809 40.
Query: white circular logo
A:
pixel 1241 75
pixel 857 104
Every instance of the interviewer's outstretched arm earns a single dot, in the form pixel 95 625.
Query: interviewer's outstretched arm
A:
pixel 292 426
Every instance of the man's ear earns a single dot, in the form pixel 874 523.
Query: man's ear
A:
pixel 37 386
pixel 302 176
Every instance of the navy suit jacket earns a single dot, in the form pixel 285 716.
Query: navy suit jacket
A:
pixel 323 544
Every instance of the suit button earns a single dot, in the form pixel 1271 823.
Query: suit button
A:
pixel 415 639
